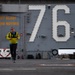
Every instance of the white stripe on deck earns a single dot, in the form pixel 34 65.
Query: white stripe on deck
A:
pixel 20 69
pixel 57 65
pixel 5 69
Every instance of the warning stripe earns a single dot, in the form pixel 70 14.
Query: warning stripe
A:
pixel 1 55
pixel 8 55
pixel 4 49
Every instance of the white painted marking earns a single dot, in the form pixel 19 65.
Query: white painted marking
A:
pixel 57 23
pixel 39 19
pixel 24 68
pixel 13 69
pixel 57 65
pixel 6 69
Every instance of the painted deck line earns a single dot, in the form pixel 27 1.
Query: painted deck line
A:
pixel 58 65
pixel 13 69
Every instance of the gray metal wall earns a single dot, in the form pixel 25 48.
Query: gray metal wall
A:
pixel 5 28
pixel 48 43
pixel 26 25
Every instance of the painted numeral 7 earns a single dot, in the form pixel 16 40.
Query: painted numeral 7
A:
pixel 39 20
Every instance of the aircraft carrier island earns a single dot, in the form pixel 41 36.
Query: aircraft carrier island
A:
pixel 46 29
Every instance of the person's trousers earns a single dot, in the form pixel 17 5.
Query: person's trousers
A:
pixel 13 48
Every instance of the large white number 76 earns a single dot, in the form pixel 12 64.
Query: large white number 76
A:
pixel 60 23
pixel 39 20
